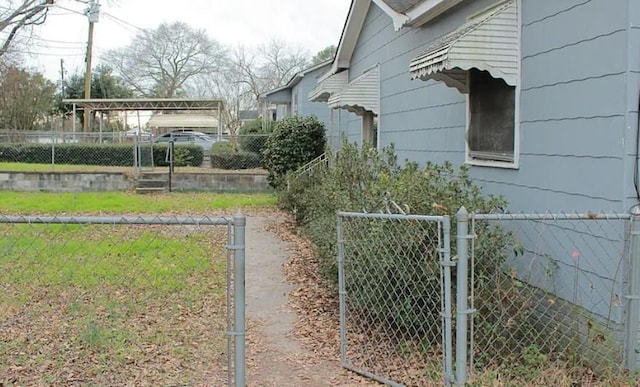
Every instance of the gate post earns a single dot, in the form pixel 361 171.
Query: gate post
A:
pixel 633 296
pixel 239 363
pixel 462 292
pixel 446 264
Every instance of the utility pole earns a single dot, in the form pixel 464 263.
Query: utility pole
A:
pixel 62 91
pixel 62 77
pixel 93 13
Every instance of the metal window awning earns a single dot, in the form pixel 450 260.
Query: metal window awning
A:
pixel 360 95
pixel 489 41
pixel 329 86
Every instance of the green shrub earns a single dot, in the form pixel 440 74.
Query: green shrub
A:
pixel 252 137
pixel 294 142
pixel 224 155
pixel 93 154
pixel 359 180
pixel 223 147
pixel 183 155
pixel 236 160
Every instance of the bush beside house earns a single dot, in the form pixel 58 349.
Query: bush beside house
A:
pixel 294 142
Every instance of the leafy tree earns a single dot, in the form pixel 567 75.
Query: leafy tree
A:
pixel 25 98
pixel 160 62
pixel 324 55
pixel 104 84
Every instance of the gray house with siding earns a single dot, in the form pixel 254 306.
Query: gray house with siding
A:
pixel 538 97
pixel 291 99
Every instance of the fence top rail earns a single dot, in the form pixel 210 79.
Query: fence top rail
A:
pixel 550 216
pixel 108 220
pixel 426 218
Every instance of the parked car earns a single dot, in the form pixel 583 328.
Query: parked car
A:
pixel 142 135
pixel 203 140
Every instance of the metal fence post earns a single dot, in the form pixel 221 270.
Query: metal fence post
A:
pixel 633 298
pixel 447 263
pixel 239 363
pixel 342 294
pixel 462 290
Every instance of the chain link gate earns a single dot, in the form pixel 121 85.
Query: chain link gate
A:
pixel 395 297
pixel 552 290
pixel 122 300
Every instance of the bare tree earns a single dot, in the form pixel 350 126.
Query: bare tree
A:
pixel 270 66
pixel 16 16
pixel 247 73
pixel 160 62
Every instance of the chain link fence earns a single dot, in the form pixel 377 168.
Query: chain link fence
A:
pixel 540 299
pixel 121 300
pixel 133 149
pixel 395 301
pixel 239 152
pixel 549 291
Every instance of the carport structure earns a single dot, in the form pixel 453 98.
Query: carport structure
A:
pixel 214 106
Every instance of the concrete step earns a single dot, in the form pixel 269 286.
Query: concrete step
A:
pixel 151 190
pixel 152 182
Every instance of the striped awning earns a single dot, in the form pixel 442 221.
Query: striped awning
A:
pixel 361 94
pixel 489 41
pixel 328 86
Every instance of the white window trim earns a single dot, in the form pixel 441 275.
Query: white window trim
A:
pixel 515 164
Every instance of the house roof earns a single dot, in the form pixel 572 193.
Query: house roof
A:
pixel 402 6
pixel 297 78
pixel 412 13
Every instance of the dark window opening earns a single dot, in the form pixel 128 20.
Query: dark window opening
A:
pixel 492 121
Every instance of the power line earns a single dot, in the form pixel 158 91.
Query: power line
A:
pixel 69 10
pixel 37 38
pixel 121 21
pixel 47 53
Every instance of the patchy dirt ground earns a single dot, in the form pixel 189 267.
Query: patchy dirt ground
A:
pixel 293 336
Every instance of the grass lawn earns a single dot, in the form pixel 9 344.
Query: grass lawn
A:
pixel 24 203
pixel 110 304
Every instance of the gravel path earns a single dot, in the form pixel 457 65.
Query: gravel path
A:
pixel 275 357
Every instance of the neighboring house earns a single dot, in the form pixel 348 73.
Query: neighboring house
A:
pixel 291 99
pixel 246 116
pixel 538 97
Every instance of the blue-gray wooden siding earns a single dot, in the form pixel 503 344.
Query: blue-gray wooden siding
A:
pixel 334 123
pixel 574 102
pixel 580 72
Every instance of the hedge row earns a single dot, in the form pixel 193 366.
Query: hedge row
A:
pixel 93 154
pixel 236 160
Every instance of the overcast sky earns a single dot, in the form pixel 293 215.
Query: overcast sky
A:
pixel 312 24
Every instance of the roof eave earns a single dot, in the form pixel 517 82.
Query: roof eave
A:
pixel 350 33
pixel 428 10
pixel 399 19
